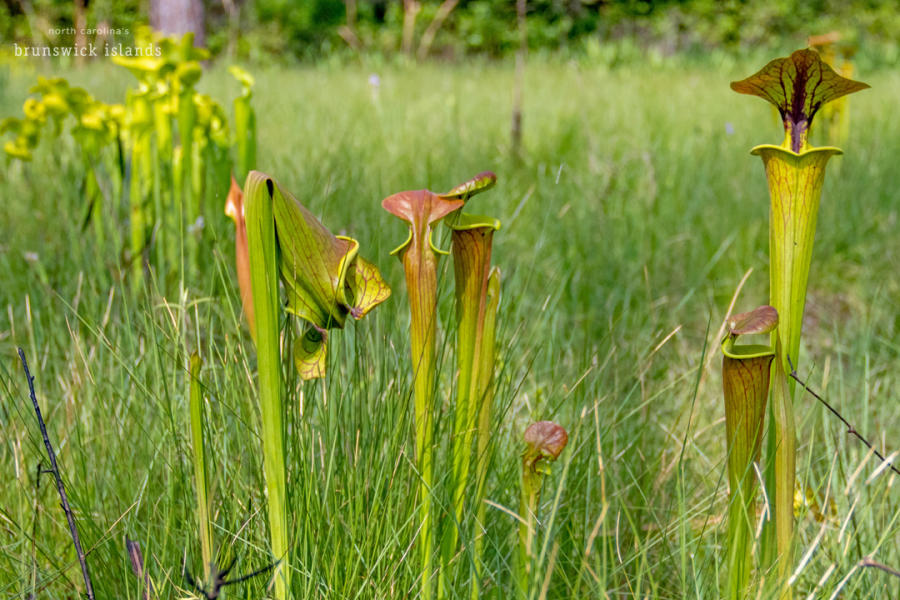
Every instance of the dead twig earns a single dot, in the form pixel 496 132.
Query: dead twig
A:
pixel 850 428
pixel 870 562
pixel 64 500
pixel 220 579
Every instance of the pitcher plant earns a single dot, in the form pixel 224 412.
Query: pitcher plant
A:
pixel 422 210
pixel 325 280
pixel 544 442
pixel 471 245
pixel 798 86
pixel 746 371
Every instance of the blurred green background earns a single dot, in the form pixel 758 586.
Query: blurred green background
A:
pixel 288 30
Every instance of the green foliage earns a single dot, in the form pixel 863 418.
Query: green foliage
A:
pixel 165 151
pixel 487 27
pixel 304 23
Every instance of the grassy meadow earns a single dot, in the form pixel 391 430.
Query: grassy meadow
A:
pixel 629 223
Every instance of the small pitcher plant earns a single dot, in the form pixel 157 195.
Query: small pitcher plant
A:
pixel 544 442
pixel 746 371
pixel 798 86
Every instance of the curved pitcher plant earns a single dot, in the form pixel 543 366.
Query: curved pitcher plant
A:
pixel 325 281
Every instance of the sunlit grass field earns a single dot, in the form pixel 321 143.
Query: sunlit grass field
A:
pixel 629 220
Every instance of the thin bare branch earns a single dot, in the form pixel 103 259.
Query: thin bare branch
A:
pixel 850 428
pixel 64 500
pixel 870 562
pixel 220 579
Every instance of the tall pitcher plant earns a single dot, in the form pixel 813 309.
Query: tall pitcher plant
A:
pixel 471 245
pixel 422 210
pixel 798 86
pixel 325 281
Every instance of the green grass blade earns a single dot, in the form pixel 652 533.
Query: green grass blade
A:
pixel 199 457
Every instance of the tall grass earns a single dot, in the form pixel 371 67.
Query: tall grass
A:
pixel 628 224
